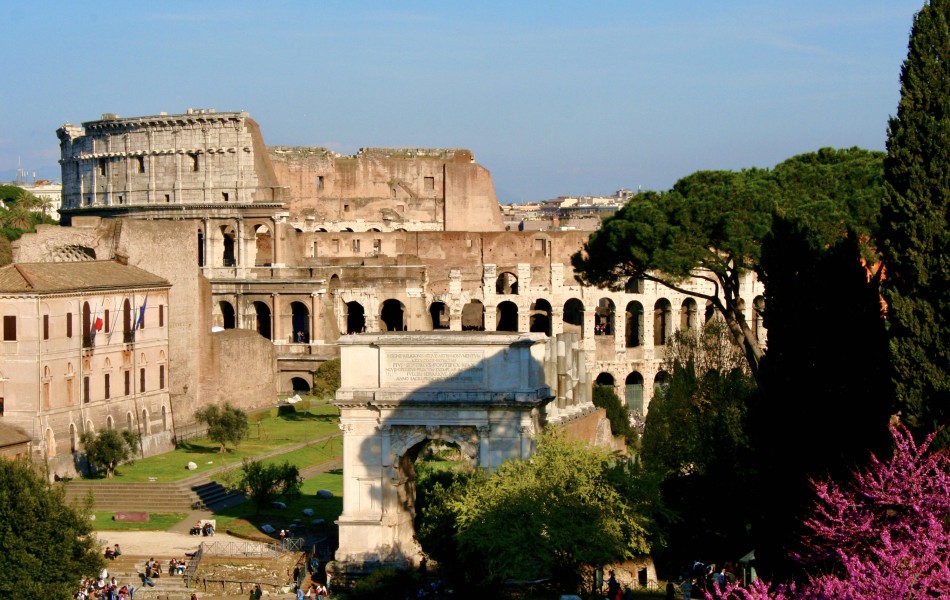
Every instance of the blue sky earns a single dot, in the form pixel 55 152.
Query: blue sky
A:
pixel 554 98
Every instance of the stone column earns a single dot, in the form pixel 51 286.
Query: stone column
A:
pixel 240 252
pixel 276 243
pixel 484 451
pixel 491 317
pixel 315 302
pixel 557 320
pixel 275 318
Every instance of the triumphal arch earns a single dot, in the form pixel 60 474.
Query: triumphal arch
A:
pixel 488 393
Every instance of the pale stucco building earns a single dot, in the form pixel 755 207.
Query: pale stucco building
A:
pixel 84 347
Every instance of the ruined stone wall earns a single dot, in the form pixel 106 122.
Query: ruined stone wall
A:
pixel 386 189
pixel 241 364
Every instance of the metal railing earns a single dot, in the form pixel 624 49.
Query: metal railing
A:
pixel 193 564
pixel 255 549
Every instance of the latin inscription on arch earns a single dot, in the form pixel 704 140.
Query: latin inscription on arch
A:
pixel 451 368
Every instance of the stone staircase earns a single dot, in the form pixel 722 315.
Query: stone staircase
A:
pixel 153 496
pixel 127 570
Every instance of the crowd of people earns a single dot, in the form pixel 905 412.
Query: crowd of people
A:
pixel 701 579
pixel 103 588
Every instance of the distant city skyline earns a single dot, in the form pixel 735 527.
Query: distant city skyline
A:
pixel 554 98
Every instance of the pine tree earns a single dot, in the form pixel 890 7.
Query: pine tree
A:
pixel 914 237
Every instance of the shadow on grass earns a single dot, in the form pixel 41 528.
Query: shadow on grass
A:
pixel 305 416
pixel 200 448
pixel 246 521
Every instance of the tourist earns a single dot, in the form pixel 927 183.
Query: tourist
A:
pixel 322 593
pixel 117 552
pixel 109 554
pixel 687 587
pixel 613 587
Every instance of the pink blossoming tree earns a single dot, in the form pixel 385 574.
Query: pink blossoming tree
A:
pixel 884 534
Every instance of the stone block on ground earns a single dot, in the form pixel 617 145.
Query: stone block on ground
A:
pixel 130 516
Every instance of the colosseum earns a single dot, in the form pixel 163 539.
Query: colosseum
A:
pixel 274 253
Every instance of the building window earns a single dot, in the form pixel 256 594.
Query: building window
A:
pixel 102 166
pixel 128 382
pixel 142 380
pixel 141 161
pixel 319 182
pixel 224 196
pixel 45 327
pixel 168 197
pixel 106 325
pixel 161 377
pixel 1 406
pixel 428 184
pixel 161 315
pixel 314 255
pixel 356 245
pixel 194 162
pixel 9 328
pixel 106 382
pixel 69 391
pixel 377 246
pixel 121 199
pixel 85 389
pixel 69 325
pixel 335 244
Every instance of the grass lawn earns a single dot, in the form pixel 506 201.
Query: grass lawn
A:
pixel 242 520
pixel 156 522
pixel 268 432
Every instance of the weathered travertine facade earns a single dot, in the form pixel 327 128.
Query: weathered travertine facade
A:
pixel 488 393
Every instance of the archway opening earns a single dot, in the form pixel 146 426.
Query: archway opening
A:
pixel 227 314
pixel 299 385
pixel 540 318
pixel 473 316
pixel 262 319
pixel 439 313
pixel 355 317
pixel 604 379
pixel 263 245
pixel 392 315
pixel 662 322
pixel 300 322
pixel 506 316
pixel 604 317
pixel 634 285
pixel 506 283
pixel 227 247
pixel 633 393
pixel 634 325
pixel 574 317
pixel 689 314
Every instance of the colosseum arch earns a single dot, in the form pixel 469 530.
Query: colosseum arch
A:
pixel 662 322
pixel 262 318
pixel 539 320
pixel 633 332
pixel 473 316
pixel 633 393
pixel 392 315
pixel 506 283
pixel 355 317
pixel 689 315
pixel 604 317
pixel 574 317
pixel 506 316
pixel 439 315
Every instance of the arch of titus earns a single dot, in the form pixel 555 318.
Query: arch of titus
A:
pixel 489 393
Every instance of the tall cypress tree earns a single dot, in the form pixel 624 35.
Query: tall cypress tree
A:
pixel 914 235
